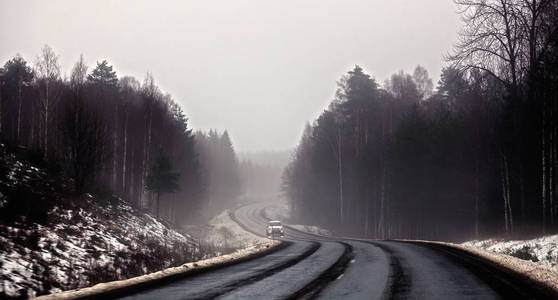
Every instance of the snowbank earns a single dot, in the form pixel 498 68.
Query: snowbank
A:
pixel 83 246
pixel 542 250
pixel 51 240
pixel 109 289
pixel 225 234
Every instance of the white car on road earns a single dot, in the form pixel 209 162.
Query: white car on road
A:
pixel 274 229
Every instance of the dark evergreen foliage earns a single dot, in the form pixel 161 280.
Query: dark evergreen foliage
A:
pixel 103 132
pixel 161 178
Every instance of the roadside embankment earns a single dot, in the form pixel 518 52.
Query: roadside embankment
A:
pixel 121 287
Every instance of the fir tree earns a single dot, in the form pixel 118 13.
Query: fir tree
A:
pixel 161 179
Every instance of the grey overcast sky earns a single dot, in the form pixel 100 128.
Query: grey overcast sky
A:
pixel 258 68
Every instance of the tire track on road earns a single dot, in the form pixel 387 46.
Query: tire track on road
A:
pixel 335 271
pixel 399 283
pixel 234 285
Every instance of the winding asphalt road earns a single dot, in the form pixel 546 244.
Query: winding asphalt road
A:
pixel 310 266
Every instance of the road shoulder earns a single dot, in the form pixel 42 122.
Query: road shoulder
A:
pixel 541 277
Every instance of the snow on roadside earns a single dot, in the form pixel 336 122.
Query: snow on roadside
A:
pixel 542 250
pixel 278 210
pixel 226 235
pixel 311 229
pixel 84 245
pixel 99 291
pixel 221 234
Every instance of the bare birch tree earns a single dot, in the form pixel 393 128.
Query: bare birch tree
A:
pixel 48 75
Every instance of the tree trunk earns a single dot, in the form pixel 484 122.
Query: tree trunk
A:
pixel 158 198
pixel 18 112
pixel 340 169
pixel 543 166
pixel 550 169
pixel 149 132
pixel 522 188
pixel 124 154
pixel 553 154
pixel 510 215
pixel 1 108
pixel 505 195
pixel 142 171
pixel 477 196
pixel 114 146
pixel 32 134
pixel 366 211
pixel 146 149
pixel 382 202
pixel 132 179
pixel 46 107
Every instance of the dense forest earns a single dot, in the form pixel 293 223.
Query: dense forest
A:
pixel 474 156
pixel 114 137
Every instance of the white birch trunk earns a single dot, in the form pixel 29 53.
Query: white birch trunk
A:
pixel 510 215
pixel 114 146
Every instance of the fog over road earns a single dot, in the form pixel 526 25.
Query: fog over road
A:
pixel 310 266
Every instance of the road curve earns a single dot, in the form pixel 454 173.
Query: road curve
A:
pixel 311 266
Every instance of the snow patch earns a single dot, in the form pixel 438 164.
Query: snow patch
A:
pixel 311 229
pixel 224 232
pixel 542 250
pixel 78 248
pixel 278 210
pixel 101 289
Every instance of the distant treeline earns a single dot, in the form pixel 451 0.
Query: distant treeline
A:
pixel 476 156
pixel 104 132
pixel 221 170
